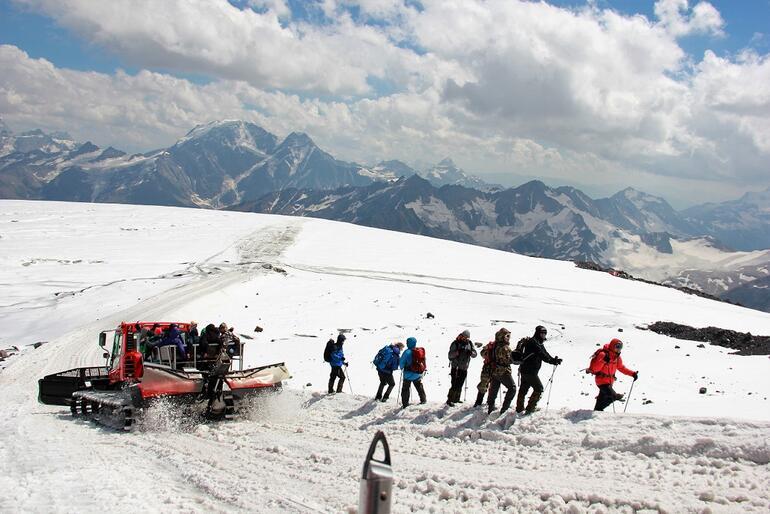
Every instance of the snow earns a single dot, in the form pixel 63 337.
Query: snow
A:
pixel 303 451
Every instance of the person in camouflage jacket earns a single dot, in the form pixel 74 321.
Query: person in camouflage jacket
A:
pixel 501 371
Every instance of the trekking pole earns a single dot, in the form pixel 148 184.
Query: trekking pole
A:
pixel 398 393
pixel 465 392
pixel 347 375
pixel 550 388
pixel 629 395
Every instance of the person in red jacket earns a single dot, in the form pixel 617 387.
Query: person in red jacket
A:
pixel 604 364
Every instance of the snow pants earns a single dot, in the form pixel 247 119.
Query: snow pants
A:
pixel 406 389
pixel 336 372
pixel 606 396
pixel 458 379
pixel 528 381
pixel 386 379
pixel 494 388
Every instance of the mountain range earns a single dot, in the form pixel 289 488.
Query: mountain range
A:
pixel 239 165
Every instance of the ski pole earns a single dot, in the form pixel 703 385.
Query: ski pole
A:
pixel 550 387
pixel 347 375
pixel 398 393
pixel 629 395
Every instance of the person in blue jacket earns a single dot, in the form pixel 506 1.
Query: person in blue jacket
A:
pixel 387 362
pixel 410 377
pixel 173 337
pixel 337 360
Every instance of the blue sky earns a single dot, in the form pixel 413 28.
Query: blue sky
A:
pixel 571 92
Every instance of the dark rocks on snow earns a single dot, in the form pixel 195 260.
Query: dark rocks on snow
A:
pixel 39 344
pixel 258 329
pixel 620 330
pixel 744 343
pixel 429 316
pixel 622 274
pixel 702 390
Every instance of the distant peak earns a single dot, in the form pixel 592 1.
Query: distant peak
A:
pixel 447 162
pixel 298 138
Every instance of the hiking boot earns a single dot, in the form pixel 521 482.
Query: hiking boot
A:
pixel 384 400
pixel 450 404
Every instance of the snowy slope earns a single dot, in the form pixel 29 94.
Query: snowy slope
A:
pixel 682 452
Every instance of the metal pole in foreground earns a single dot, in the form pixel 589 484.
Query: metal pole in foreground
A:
pixel 347 375
pixel 550 386
pixel 629 395
pixel 376 480
pixel 398 393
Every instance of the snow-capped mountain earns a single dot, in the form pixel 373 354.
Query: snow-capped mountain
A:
pixel 392 170
pixel 743 224
pixel 447 173
pixel 214 165
pixel 642 213
pixel 228 163
pixel 534 219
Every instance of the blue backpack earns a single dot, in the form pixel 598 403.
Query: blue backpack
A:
pixel 382 356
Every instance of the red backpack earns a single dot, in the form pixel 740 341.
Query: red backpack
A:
pixel 418 361
pixel 489 353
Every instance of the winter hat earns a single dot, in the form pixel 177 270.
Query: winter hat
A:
pixel 411 342
pixel 465 333
pixel 540 329
pixel 500 334
pixel 341 338
pixel 616 345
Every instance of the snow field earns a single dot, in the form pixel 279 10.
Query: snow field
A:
pixel 303 451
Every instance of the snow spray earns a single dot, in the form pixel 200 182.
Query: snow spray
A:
pixel 376 480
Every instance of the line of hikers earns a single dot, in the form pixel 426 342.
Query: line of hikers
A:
pixel 529 354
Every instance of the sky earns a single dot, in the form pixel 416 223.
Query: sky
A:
pixel 670 96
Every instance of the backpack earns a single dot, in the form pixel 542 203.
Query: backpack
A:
pixel 418 361
pixel 328 350
pixel 518 353
pixel 489 353
pixel 381 358
pixel 595 359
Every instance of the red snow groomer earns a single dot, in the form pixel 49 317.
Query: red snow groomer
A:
pixel 140 370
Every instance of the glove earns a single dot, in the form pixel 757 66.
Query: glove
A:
pixel 635 375
pixel 558 360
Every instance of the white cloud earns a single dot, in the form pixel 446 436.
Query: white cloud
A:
pixel 215 38
pixel 673 16
pixel 500 85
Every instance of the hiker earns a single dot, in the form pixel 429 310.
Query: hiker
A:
pixel 412 363
pixel 192 337
pixel 209 342
pixel 486 373
pixel 461 351
pixel 337 360
pixel 386 362
pixel 148 339
pixel 533 353
pixel 604 363
pixel 173 337
pixel 230 341
pixel 501 371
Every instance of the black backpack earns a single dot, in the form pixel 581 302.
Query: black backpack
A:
pixel 328 350
pixel 518 353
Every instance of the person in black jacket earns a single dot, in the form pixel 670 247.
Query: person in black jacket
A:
pixel 461 351
pixel 534 353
